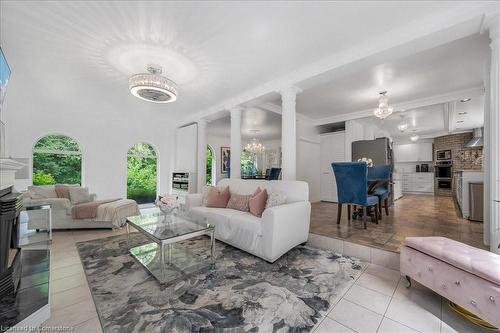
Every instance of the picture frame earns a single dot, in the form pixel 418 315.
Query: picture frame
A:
pixel 4 77
pixel 225 159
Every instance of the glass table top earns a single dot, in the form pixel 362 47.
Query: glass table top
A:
pixel 163 227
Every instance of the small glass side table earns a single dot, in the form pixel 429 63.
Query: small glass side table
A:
pixel 35 224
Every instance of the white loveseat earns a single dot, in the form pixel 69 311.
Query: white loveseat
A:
pixel 280 229
pixel 111 215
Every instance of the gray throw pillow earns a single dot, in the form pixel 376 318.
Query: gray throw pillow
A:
pixel 79 195
pixel 42 191
pixel 275 199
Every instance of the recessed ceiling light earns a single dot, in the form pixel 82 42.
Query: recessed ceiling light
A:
pixel 414 138
pixel 465 100
pixel 462 113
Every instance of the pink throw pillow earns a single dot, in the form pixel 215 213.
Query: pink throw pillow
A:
pixel 217 198
pixel 239 202
pixel 257 202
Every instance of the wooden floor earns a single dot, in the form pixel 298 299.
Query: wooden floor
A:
pixel 412 215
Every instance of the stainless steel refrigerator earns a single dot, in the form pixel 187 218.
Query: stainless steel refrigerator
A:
pixel 379 150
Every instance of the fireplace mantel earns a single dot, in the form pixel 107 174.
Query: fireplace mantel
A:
pixel 8 169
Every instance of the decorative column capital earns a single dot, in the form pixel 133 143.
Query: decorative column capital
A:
pixel 235 111
pixel 290 93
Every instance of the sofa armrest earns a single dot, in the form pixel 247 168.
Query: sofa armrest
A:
pixel 284 227
pixel 193 200
pixel 55 203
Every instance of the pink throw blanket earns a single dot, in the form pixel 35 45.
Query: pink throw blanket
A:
pixel 88 210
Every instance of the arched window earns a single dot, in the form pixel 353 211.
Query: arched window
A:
pixel 210 174
pixel 57 159
pixel 142 173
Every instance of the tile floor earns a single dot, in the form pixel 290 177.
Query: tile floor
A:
pixel 412 215
pixel 376 302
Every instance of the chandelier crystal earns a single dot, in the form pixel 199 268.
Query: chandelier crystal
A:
pixel 383 110
pixel 152 86
pixel 255 147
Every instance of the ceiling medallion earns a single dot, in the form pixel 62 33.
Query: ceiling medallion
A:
pixel 152 86
pixel 383 110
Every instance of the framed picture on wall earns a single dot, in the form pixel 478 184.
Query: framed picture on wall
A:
pixel 225 159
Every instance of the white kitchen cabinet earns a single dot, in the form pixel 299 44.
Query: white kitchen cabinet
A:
pixel 413 152
pixel 421 182
pixel 332 149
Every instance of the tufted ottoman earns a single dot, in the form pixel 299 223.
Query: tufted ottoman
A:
pixel 465 275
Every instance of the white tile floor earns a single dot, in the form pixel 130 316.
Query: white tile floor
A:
pixel 376 302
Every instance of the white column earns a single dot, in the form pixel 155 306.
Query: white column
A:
pixel 494 135
pixel 235 165
pixel 289 133
pixel 202 154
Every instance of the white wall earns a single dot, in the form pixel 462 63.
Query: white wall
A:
pixel 104 129
pixel 308 158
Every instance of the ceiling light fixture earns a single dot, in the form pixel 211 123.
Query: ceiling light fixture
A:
pixel 414 138
pixel 152 86
pixel 255 147
pixel 403 126
pixel 383 110
pixel 465 100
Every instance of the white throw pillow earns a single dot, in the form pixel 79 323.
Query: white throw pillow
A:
pixel 275 199
pixel 79 195
pixel 42 191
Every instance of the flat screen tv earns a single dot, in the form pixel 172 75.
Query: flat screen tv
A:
pixel 4 77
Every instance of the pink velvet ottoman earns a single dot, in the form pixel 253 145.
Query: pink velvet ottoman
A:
pixel 465 275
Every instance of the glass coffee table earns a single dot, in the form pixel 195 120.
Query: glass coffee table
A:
pixel 163 255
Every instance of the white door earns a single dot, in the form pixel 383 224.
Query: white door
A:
pixel 332 150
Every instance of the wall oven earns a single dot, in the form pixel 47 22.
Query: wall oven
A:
pixel 443 169
pixel 442 155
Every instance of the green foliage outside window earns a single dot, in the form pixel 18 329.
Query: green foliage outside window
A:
pixel 57 160
pixel 247 163
pixel 210 157
pixel 141 173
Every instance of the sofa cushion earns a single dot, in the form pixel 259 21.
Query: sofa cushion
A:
pixel 62 190
pixel 275 198
pixel 42 191
pixel 79 195
pixel 217 198
pixel 239 202
pixel 473 260
pixel 257 202
pixel 215 216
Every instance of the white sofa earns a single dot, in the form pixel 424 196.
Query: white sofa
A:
pixel 280 229
pixel 61 212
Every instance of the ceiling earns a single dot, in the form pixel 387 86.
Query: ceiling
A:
pixel 451 67
pixel 436 120
pixel 267 123
pixel 214 50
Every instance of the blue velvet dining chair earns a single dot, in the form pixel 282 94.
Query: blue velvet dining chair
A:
pixel 274 174
pixel 381 172
pixel 352 188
